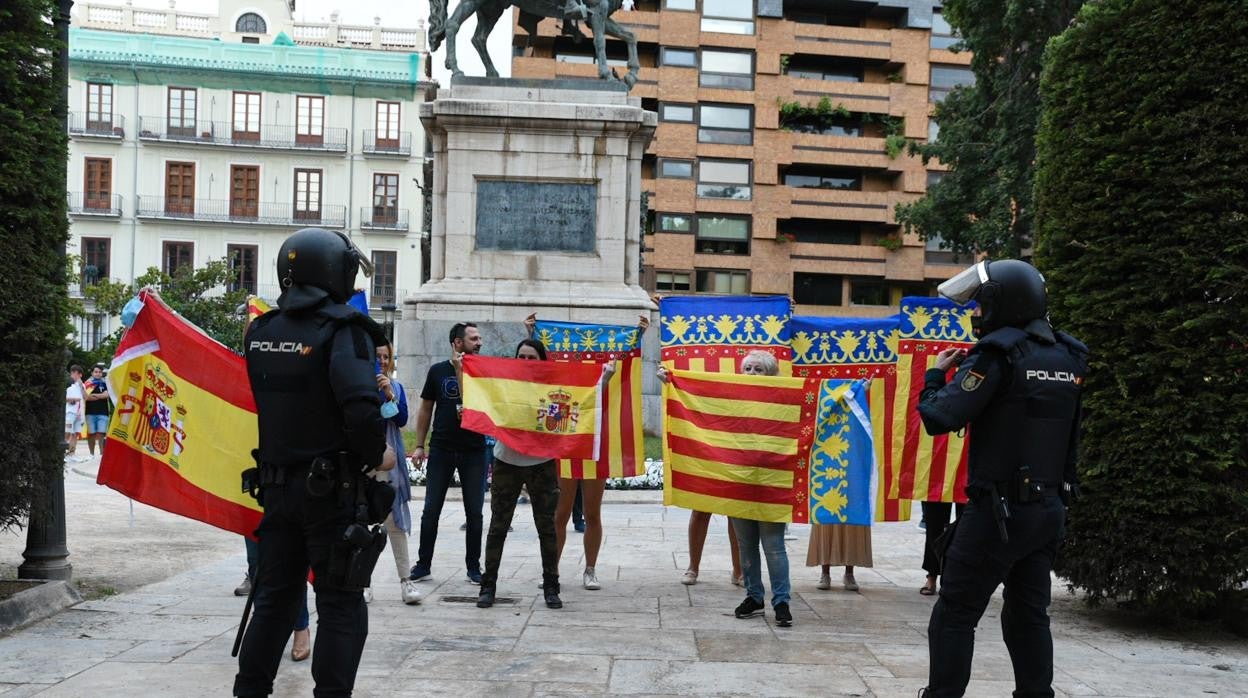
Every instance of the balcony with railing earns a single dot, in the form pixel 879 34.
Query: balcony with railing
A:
pixel 375 218
pixel 84 125
pixel 92 204
pixel 237 212
pixel 270 136
pixel 400 146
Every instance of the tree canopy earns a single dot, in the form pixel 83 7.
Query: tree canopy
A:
pixel 1142 196
pixel 987 130
pixel 33 297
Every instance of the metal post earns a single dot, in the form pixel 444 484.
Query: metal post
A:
pixel 46 555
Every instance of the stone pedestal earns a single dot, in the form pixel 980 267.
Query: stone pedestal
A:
pixel 536 208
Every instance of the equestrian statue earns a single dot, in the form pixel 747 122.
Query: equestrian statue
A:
pixel 596 12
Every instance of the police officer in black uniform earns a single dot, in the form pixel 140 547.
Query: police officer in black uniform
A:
pixel 1019 390
pixel 311 370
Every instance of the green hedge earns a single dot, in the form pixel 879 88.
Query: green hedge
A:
pixel 33 228
pixel 1142 188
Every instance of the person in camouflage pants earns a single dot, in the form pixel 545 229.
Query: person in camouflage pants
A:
pixel 513 470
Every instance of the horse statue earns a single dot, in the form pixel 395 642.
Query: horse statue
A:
pixel 596 12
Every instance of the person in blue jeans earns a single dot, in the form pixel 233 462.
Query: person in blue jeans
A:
pixel 451 448
pixel 771 535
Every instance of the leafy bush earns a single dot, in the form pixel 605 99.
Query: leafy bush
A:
pixel 1142 181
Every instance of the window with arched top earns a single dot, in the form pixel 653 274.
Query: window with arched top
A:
pixel 250 23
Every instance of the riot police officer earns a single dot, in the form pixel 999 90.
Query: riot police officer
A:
pixel 310 365
pixel 1019 390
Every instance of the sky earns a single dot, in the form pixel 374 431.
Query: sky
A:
pixel 398 14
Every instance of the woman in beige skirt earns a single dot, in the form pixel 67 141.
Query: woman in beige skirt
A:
pixel 839 544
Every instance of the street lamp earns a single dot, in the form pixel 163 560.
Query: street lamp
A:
pixel 387 317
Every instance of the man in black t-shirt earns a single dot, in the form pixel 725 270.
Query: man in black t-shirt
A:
pixel 451 448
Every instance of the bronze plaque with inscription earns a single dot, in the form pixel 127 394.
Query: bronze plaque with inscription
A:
pixel 536 216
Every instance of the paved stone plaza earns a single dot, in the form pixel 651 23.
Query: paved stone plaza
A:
pixel 169 628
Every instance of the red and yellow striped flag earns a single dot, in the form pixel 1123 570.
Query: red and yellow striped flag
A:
pixel 855 348
pixel 622 448
pixel 185 423
pixel 738 445
pixel 539 408
pixel 929 468
pixel 256 306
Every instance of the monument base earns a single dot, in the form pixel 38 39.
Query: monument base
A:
pixel 536 209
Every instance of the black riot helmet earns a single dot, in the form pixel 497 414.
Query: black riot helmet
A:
pixel 1010 292
pixel 322 258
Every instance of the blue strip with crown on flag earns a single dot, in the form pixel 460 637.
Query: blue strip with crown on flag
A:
pixel 579 341
pixel 843 479
pixel 713 334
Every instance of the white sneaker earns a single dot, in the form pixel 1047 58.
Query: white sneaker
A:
pixel 368 594
pixel 411 597
pixel 591 580
pixel 825 581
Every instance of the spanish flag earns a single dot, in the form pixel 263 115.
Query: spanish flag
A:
pixel 185 424
pixel 856 348
pixel 739 445
pixel 539 408
pixel 929 468
pixel 622 448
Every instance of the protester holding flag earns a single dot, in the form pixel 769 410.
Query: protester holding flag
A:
pixel 512 471
pixel 751 533
pixel 310 367
pixel 836 545
pixel 589 491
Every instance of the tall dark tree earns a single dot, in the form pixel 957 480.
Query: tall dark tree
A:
pixel 34 229
pixel 987 130
pixel 1142 194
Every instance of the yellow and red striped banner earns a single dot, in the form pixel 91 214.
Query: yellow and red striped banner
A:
pixel 738 445
pixel 539 408
pixel 929 468
pixel 185 422
pixel 256 306
pixel 854 348
pixel 622 446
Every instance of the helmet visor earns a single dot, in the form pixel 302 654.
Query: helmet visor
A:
pixel 366 264
pixel 962 288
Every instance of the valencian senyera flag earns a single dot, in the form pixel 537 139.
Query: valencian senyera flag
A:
pixel 539 408
pixel 843 479
pixel 858 348
pixel 256 306
pixel 185 422
pixel 621 447
pixel 929 468
pixel 713 334
pixel 739 444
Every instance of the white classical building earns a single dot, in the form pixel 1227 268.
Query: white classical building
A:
pixel 197 137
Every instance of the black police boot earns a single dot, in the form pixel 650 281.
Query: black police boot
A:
pixel 486 598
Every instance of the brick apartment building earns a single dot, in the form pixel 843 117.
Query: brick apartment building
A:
pixel 776 168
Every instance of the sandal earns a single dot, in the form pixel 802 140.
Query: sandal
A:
pixel 690 577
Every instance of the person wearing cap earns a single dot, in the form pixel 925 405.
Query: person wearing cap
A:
pixel 1018 389
pixel 310 365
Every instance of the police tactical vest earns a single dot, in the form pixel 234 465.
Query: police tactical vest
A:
pixel 1029 421
pixel 288 366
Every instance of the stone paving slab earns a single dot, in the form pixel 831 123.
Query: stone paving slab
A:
pixel 170 629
